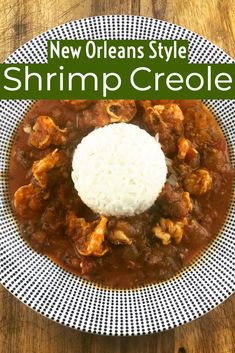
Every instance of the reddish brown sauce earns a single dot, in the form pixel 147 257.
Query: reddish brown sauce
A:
pixel 146 259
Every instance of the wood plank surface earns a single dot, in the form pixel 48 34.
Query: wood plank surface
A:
pixel 21 329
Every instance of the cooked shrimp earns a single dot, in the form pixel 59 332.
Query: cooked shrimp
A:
pixel 43 166
pixel 198 182
pixel 183 147
pixel 169 115
pixel 187 152
pixel 46 133
pixel 121 233
pixel 29 200
pixel 167 121
pixel 88 241
pixel 95 244
pixel 167 230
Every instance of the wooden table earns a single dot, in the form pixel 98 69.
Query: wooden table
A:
pixel 21 329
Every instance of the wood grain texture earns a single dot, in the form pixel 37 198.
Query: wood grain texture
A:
pixel 21 329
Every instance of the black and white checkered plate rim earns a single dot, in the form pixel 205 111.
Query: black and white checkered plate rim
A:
pixel 71 301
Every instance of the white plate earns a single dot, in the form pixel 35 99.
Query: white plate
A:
pixel 71 301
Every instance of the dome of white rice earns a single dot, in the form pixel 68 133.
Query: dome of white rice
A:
pixel 119 170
